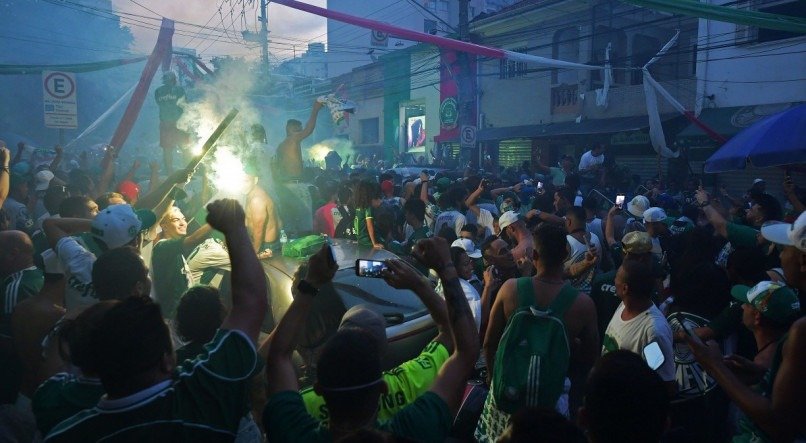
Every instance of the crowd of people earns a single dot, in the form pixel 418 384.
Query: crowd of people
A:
pixel 566 309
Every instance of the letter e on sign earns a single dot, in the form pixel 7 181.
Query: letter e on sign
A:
pixel 59 99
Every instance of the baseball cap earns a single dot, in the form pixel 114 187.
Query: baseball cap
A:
pixel 443 183
pixel 758 180
pixel 507 219
pixel 775 301
pixel 468 246
pixel 129 189
pixel 118 225
pixel 636 242
pixel 42 180
pixel 654 214
pixel 789 234
pixel 638 205
pixel 364 318
pixel 387 186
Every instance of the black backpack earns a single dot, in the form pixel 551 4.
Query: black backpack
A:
pixel 345 227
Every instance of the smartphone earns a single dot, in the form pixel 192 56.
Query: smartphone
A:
pixel 653 355
pixel 369 268
pixel 619 201
pixel 682 322
pixel 539 185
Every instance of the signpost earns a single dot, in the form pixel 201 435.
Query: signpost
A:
pixel 468 137
pixel 59 97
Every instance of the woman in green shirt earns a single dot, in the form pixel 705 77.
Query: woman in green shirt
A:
pixel 367 198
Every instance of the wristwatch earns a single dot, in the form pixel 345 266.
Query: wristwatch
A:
pixel 307 288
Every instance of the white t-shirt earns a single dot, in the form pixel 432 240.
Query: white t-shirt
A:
pixel 453 219
pixel 588 161
pixel 633 335
pixel 578 247
pixel 485 220
pixel 473 299
pixel 77 263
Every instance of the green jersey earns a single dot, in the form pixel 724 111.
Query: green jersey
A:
pixel 205 401
pixel 741 235
pixel 63 396
pixel 172 277
pixel 167 97
pixel 362 215
pixel 405 383
pixel 603 294
pixel 427 419
pixel 15 288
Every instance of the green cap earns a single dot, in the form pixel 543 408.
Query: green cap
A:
pixel 775 301
pixel 443 184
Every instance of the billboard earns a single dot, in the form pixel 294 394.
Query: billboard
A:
pixel 415 132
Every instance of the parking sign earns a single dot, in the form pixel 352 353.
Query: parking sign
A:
pixel 59 99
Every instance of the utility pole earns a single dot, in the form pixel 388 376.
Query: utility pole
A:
pixel 264 35
pixel 465 95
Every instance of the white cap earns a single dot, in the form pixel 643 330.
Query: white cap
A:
pixel 117 225
pixel 507 219
pixel 43 179
pixel 468 246
pixel 654 214
pixel 789 234
pixel 758 180
pixel 638 205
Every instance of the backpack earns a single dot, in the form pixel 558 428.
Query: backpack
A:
pixel 304 247
pixel 531 363
pixel 345 227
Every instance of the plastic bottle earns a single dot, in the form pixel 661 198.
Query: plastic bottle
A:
pixel 283 237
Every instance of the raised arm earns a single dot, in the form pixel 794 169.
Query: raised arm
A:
pixel 133 170
pixel 249 288
pixel 449 384
pixel 107 170
pixel 5 172
pixel 424 178
pixel 401 275
pixel 54 164
pixel 311 124
pixel 498 191
pixel 471 200
pixel 280 372
pixel 610 229
pixel 714 217
pixel 57 228
pixel 163 191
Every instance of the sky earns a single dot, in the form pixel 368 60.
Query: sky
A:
pixel 289 29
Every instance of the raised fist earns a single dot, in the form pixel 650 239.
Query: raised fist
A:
pixel 226 215
pixel 433 252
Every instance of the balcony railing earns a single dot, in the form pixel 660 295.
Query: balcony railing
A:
pixel 565 99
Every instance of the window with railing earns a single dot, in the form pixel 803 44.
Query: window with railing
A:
pixel 565 99
pixel 512 69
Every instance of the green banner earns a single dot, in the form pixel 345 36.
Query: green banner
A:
pixel 75 67
pixel 725 14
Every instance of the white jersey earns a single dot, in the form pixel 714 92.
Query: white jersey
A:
pixel 588 161
pixel 453 219
pixel 633 335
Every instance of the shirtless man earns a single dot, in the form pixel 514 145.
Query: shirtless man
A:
pixel 289 153
pixel 261 217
